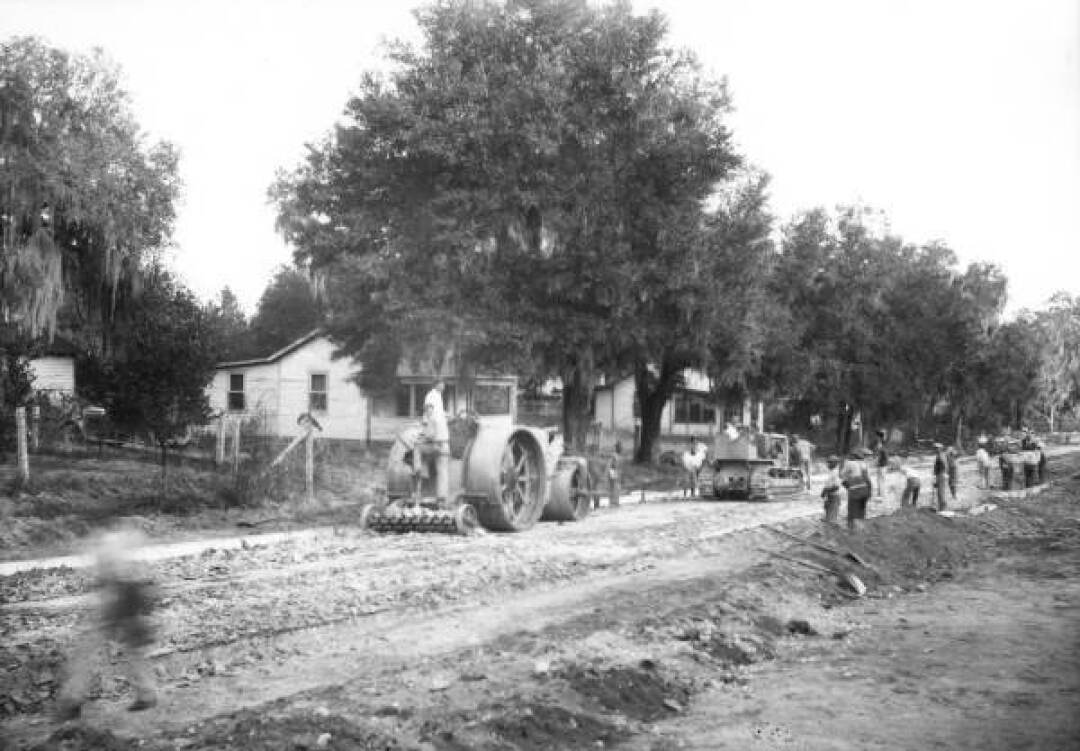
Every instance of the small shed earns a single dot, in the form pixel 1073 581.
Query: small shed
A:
pixel 53 371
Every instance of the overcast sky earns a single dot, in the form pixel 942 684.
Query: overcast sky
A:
pixel 959 119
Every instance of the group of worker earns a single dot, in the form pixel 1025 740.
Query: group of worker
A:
pixel 853 474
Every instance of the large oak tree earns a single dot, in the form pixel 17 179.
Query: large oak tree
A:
pixel 520 189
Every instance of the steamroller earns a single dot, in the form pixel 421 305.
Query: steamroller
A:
pixel 496 475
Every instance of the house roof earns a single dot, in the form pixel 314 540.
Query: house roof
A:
pixel 694 382
pixel 60 347
pixel 287 349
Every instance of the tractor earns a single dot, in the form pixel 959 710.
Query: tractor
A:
pixel 500 476
pixel 754 467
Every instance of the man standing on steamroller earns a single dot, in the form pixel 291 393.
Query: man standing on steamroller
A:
pixel 434 440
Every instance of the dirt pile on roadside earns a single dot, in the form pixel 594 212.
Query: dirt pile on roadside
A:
pixel 525 725
pixel 912 549
pixel 77 737
pixel 243 731
pixel 724 628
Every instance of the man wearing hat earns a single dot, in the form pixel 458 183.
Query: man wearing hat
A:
pixel 1027 442
pixel 881 462
pixel 831 492
pixel 941 476
pixel 856 478
pixel 953 469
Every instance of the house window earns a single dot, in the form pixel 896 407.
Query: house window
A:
pixel 403 400
pixel 733 412
pixel 236 392
pixel 317 393
pixel 491 400
pixel 409 398
pixel 682 408
pixel 694 410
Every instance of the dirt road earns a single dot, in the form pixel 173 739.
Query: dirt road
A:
pixel 629 629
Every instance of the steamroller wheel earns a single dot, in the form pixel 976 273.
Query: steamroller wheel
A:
pixel 569 499
pixel 521 487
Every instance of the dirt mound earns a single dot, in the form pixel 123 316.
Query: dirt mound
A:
pixel 29 678
pixel 251 730
pixel 640 693
pixel 84 738
pixel 906 548
pixel 532 727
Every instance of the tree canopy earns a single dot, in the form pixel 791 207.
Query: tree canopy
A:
pixel 84 199
pixel 519 190
pixel 229 327
pixel 882 328
pixel 288 309
pixel 153 385
pixel 546 186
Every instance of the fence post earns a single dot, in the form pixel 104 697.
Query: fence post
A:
pixel 35 427
pixel 20 442
pixel 219 449
pixel 309 464
pixel 236 447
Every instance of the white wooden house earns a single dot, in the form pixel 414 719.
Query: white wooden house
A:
pixel 304 377
pixel 691 411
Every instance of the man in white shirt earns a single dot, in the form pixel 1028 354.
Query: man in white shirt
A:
pixel 434 439
pixel 692 461
pixel 435 427
pixel 982 459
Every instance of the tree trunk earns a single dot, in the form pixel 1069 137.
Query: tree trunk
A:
pixel 575 416
pixel 651 402
pixel 960 429
pixel 843 429
pixel 578 382
pixel 164 473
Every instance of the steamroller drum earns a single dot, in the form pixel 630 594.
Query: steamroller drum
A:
pixel 507 469
pixel 569 498
pixel 461 520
